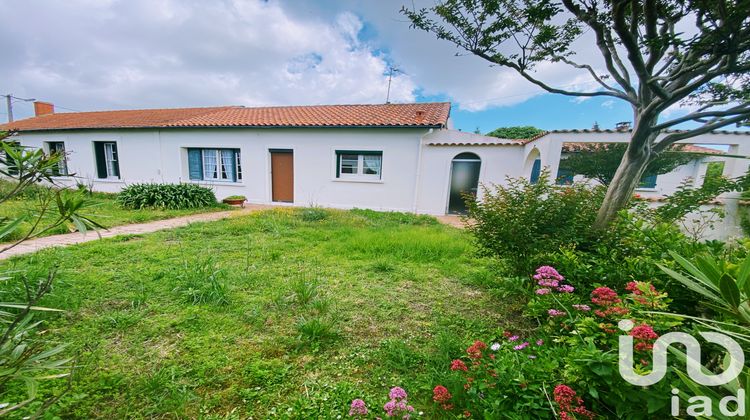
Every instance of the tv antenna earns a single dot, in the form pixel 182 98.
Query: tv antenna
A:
pixel 391 70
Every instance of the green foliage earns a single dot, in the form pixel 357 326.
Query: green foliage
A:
pixel 166 196
pixel 236 197
pixel 26 357
pixel 522 222
pixel 601 160
pixel 313 214
pixel 202 281
pixel 517 132
pixel 688 199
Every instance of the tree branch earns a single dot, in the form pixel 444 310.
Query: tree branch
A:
pixel 743 109
pixel 707 128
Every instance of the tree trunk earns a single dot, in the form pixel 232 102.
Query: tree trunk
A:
pixel 626 179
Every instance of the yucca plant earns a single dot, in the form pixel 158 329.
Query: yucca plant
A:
pixel 726 290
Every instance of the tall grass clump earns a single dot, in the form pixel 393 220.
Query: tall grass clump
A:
pixel 203 282
pixel 165 196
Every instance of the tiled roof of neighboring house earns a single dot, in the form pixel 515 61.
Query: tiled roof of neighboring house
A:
pixel 429 114
pixel 691 148
pixel 607 130
pixel 461 138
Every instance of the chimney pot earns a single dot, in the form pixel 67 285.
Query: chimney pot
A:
pixel 43 108
pixel 622 126
pixel 420 115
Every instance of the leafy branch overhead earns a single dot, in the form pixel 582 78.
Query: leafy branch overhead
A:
pixel 644 55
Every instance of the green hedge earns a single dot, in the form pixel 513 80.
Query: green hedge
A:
pixel 166 196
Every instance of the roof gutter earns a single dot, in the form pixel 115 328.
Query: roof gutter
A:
pixel 41 130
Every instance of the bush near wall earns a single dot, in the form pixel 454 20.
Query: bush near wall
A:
pixel 166 196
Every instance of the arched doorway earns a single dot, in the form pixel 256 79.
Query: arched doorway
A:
pixel 533 166
pixel 464 180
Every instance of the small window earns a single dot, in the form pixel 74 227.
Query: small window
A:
pixel 648 181
pixel 214 165
pixel 359 164
pixel 107 160
pixel 58 148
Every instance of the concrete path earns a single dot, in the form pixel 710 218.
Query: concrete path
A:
pixel 132 229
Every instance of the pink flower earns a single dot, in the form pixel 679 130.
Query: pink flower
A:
pixel 583 308
pixel 539 342
pixel 521 346
pixel 513 338
pixel 566 288
pixel 547 276
pixel 358 408
pixel 397 393
pixel 542 291
pixel 555 312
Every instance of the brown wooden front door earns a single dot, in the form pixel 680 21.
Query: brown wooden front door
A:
pixel 282 176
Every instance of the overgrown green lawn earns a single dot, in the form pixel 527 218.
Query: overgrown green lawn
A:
pixel 289 313
pixel 102 208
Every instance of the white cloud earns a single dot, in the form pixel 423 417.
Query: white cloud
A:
pixel 609 104
pixel 87 54
pixel 168 53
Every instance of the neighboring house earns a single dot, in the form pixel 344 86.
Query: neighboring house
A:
pixel 654 185
pixel 402 157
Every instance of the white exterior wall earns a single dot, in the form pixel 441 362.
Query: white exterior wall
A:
pixel 498 162
pixel 161 156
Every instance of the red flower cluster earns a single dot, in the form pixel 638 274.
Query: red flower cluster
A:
pixel 441 396
pixel 475 350
pixel 634 286
pixel 459 365
pixel 617 311
pixel 604 296
pixel 570 404
pixel 644 336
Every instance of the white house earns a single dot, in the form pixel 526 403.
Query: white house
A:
pixel 402 157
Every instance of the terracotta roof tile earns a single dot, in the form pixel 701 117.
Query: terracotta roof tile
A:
pixel 433 114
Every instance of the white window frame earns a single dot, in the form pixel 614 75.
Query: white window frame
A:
pixel 360 175
pixel 220 165
pixel 62 165
pixel 110 159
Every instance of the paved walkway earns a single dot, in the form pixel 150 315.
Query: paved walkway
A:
pixel 132 229
pixel 139 228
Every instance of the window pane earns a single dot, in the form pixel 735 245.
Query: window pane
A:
pixel 371 164
pixel 349 164
pixel 239 164
pixel 110 157
pixel 210 164
pixel 227 164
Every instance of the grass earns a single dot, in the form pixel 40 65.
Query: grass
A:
pixel 289 315
pixel 103 208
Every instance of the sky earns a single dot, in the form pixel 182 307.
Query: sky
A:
pixel 88 55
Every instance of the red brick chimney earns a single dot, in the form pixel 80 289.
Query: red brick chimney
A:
pixel 43 108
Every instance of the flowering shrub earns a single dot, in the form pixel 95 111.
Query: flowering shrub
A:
pixel 574 349
pixel 397 406
pixel 570 404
